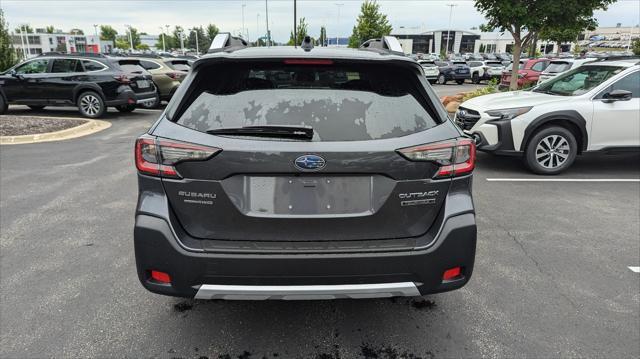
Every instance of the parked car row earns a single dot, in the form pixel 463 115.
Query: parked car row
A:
pixel 91 82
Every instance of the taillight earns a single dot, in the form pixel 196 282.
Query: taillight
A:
pixel 308 62
pixel 122 79
pixel 158 157
pixel 174 75
pixel 455 157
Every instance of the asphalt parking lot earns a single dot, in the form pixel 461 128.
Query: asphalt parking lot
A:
pixel 551 277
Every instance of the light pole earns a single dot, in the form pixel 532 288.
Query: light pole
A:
pixel 26 36
pixel 295 28
pixel 451 6
pixel 197 46
pixel 166 27
pixel 258 30
pixel 163 44
pixel 266 9
pixel 243 6
pixel 95 29
pixel 338 22
pixel 182 41
pixel 24 49
pixel 130 36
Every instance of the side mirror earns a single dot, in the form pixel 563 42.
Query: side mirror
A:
pixel 13 73
pixel 617 95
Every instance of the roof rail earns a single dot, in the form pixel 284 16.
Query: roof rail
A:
pixel 149 56
pixel 225 42
pixel 386 43
pixel 83 54
pixel 618 57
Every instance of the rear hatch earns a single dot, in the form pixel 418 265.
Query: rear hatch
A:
pixel 337 175
pixel 140 79
pixel 460 67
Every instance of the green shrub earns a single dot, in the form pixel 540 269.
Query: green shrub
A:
pixel 492 87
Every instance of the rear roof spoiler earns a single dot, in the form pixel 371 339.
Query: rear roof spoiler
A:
pixel 225 42
pixel 388 44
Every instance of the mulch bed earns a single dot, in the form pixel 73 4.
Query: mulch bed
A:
pixel 11 125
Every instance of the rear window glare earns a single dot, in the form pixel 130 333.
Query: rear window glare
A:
pixel 341 102
pixel 131 66
pixel 179 65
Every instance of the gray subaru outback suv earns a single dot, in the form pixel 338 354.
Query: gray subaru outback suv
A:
pixel 280 173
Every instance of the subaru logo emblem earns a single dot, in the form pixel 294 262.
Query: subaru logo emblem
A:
pixel 309 163
pixel 462 112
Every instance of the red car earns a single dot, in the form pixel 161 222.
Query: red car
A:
pixel 528 72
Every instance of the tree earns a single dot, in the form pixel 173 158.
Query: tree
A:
pixel 635 47
pixel 76 32
pixel 8 55
pixel 108 33
pixel 203 41
pixel 178 32
pixel 370 24
pixel 27 29
pixel 524 20
pixel 142 47
pixel 301 32
pixel 50 29
pixel 122 43
pixel 135 36
pixel 322 39
pixel 482 49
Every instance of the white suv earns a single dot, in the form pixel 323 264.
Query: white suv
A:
pixel 595 107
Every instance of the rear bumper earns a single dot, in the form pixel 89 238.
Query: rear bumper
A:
pixel 303 276
pixel 131 97
pixel 454 76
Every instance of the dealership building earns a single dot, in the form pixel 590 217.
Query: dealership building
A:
pixel 37 43
pixel 461 41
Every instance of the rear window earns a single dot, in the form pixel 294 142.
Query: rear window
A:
pixel 131 66
pixel 556 67
pixel 179 65
pixel 340 102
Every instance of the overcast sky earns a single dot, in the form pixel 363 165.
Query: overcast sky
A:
pixel 149 15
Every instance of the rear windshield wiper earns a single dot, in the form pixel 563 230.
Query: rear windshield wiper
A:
pixel 301 132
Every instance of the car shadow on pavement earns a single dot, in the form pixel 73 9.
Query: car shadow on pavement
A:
pixel 345 328
pixel 590 165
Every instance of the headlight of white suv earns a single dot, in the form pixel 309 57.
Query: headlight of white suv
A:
pixel 508 113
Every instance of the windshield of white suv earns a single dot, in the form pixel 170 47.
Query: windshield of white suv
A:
pixel 578 81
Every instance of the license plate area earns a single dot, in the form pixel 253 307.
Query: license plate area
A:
pixel 142 84
pixel 308 196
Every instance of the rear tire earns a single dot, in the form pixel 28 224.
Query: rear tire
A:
pixel 90 104
pixel 126 108
pixel 475 78
pixel 3 105
pixel 36 108
pixel 459 82
pixel 442 80
pixel 551 150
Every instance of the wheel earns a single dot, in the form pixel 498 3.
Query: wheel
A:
pixel 551 150
pixel 3 105
pixel 36 108
pixel 442 80
pixel 151 105
pixel 475 78
pixel 90 104
pixel 459 82
pixel 126 108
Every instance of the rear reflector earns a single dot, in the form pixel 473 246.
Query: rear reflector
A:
pixel 156 157
pixel 161 277
pixel 455 157
pixel 452 273
pixel 308 62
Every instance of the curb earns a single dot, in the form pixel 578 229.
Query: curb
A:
pixel 85 129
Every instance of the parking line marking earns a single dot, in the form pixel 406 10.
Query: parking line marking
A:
pixel 635 269
pixel 563 179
